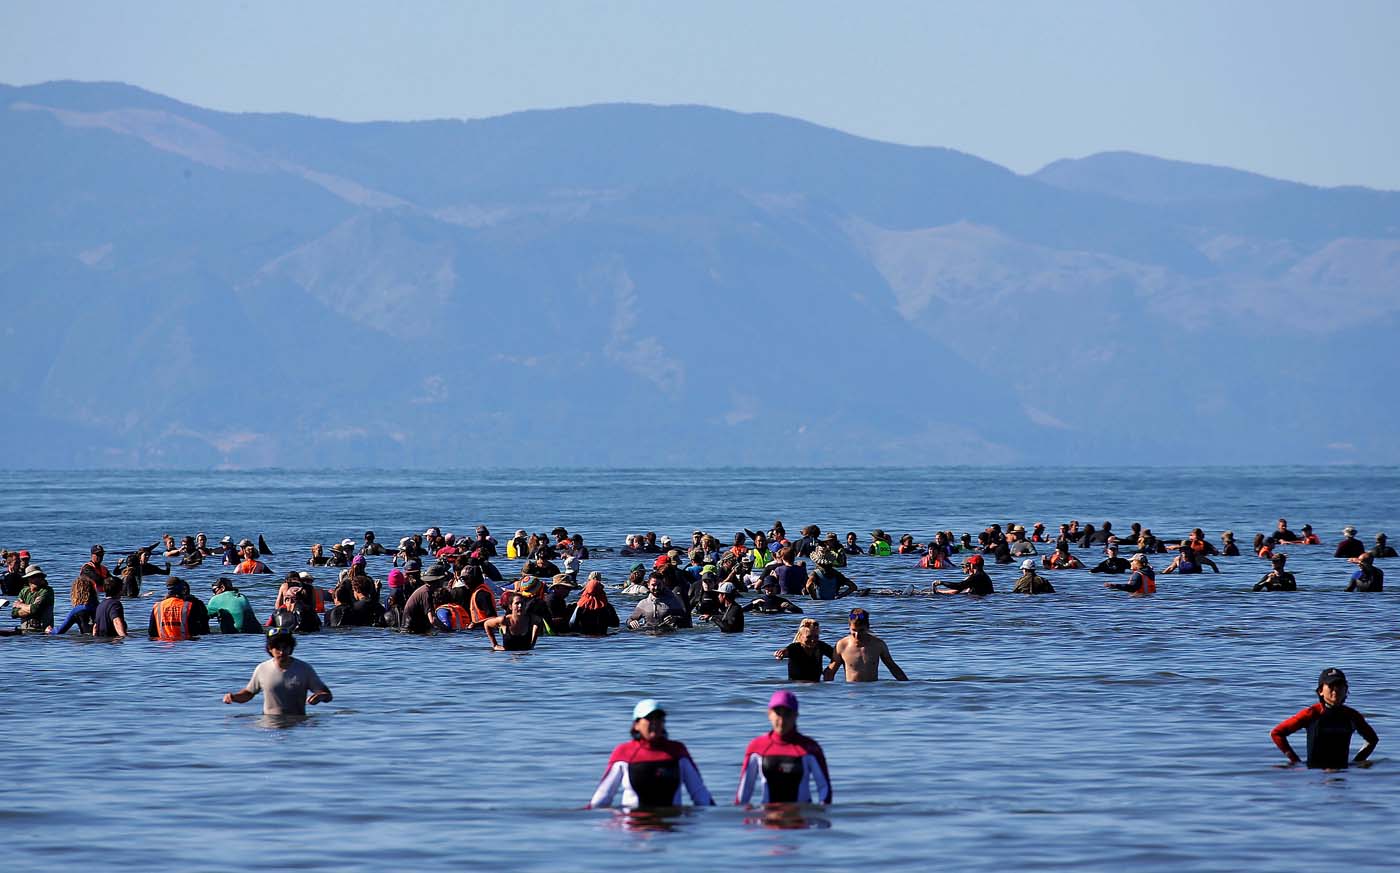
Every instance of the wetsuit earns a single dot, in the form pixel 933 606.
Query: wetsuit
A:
pixel 804 665
pixel 730 619
pixel 783 769
pixel 651 774
pixel 1277 580
pixel 1383 551
pixel 977 582
pixel 1112 565
pixel 1230 550
pixel 1367 579
pixel 1329 735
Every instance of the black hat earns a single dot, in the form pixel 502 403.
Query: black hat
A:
pixel 412 565
pixel 1331 676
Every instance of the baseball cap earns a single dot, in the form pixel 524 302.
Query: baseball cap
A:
pixel 1331 676
pixel 647 708
pixel 1028 564
pixel 727 588
pixel 412 565
pixel 786 699
pixel 1138 556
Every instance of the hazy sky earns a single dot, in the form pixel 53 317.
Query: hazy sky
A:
pixel 1299 90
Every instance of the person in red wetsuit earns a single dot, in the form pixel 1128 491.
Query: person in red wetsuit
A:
pixel 784 765
pixel 650 768
pixel 1329 723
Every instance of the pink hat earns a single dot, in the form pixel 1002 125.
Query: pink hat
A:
pixel 785 699
pixel 396 577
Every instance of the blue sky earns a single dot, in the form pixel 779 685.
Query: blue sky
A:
pixel 1298 90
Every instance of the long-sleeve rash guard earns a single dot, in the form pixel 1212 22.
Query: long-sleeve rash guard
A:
pixel 651 774
pixel 1329 734
pixel 783 769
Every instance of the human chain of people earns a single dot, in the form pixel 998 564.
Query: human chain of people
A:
pixel 438 583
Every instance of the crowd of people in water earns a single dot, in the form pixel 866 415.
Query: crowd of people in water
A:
pixel 438 582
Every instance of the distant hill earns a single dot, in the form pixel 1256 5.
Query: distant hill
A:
pixel 630 285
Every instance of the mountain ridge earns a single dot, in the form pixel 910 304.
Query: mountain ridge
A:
pixel 627 283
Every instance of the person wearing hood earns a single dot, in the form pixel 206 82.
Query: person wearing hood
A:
pixel 593 615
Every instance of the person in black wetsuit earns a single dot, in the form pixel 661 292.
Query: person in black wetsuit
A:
pixel 807 654
pixel 975 581
pixel 1112 564
pixel 1382 549
pixel 771 601
pixel 1228 547
pixel 1329 723
pixel 1277 579
pixel 729 617
pixel 519 630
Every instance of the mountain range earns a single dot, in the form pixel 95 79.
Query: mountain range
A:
pixel 636 285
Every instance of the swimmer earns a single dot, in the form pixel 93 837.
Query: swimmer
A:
pixel 1329 723
pixel 784 766
pixel 807 653
pixel 1228 547
pixel 1350 546
pixel 861 653
pixel 975 581
pixel 660 609
pixel 1030 582
pixel 1382 549
pixel 1111 564
pixel 593 614
pixel 650 769
pixel 729 617
pixel 1061 558
pixel 1142 582
pixel 519 631
pixel 1277 579
pixel 1188 560
pixel 1368 577
pixel 286 683
pixel 250 562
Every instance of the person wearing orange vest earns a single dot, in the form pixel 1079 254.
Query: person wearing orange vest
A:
pixel 250 562
pixel 1142 583
pixel 172 619
pixel 449 615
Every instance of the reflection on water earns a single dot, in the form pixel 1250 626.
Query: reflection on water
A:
pixel 1080 730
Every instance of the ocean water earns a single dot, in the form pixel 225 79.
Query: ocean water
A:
pixel 1085 730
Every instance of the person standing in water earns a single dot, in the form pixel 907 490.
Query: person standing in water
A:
pixel 861 653
pixel 650 769
pixel 784 766
pixel 1330 724
pixel 286 684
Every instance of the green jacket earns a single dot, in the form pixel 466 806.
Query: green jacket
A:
pixel 40 601
pixel 233 613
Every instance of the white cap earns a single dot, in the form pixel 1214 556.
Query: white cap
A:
pixel 646 708
pixel 727 588
pixel 665 541
pixel 1028 564
pixel 347 542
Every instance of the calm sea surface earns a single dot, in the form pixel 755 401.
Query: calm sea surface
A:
pixel 1086 730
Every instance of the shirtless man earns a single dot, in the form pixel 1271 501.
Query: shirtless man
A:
pixel 861 653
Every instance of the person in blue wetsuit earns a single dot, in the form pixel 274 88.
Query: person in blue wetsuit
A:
pixel 784 766
pixel 650 769
pixel 1329 723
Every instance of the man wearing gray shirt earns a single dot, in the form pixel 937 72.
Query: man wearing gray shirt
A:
pixel 287 685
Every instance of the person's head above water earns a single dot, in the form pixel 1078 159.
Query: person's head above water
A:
pixel 860 618
pixel 1332 686
pixel 782 712
pixel 648 721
